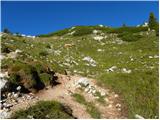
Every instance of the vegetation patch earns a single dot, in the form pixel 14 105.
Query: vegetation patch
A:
pixel 32 76
pixel 44 110
pixel 129 37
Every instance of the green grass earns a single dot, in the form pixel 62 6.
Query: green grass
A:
pixel 44 110
pixel 139 89
pixel 91 109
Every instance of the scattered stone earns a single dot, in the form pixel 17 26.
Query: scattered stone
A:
pixel 18 51
pixel 124 70
pixel 116 95
pixel 119 109
pixel 94 91
pixel 2 57
pixel 71 33
pixel 30 117
pixel 96 97
pixel 100 50
pixel 90 60
pixel 106 99
pixel 103 93
pixel 4 114
pixel 111 69
pixel 156 56
pixel 83 81
pixel 57 52
pixel 16 95
pixel 87 89
pixel 9 94
pixel 110 106
pixel 95 31
pixel 18 88
pixel 3 83
pixel 118 105
pixel 150 57
pixel 139 116
pixel 98 38
pixel 5 74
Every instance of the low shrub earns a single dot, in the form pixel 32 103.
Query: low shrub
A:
pixel 44 110
pixel 43 53
pixel 5 49
pixel 48 46
pixel 129 37
pixel 26 75
pixel 128 29
pixel 32 76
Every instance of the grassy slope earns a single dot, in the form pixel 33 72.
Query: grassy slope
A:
pixel 139 89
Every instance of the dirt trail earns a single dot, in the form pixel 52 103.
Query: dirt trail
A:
pixel 62 93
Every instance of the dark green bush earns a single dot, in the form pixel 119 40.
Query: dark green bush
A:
pixel 45 110
pixel 129 37
pixel 15 78
pixel 33 76
pixel 26 75
pixel 128 29
pixel 39 67
pixel 82 30
pixel 48 46
pixel 5 49
pixel 43 53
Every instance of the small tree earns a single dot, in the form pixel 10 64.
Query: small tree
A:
pixel 6 31
pixel 152 21
pixel 123 25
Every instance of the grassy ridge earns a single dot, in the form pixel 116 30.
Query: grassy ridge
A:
pixel 85 30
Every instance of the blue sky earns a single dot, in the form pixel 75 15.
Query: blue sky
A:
pixel 34 18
